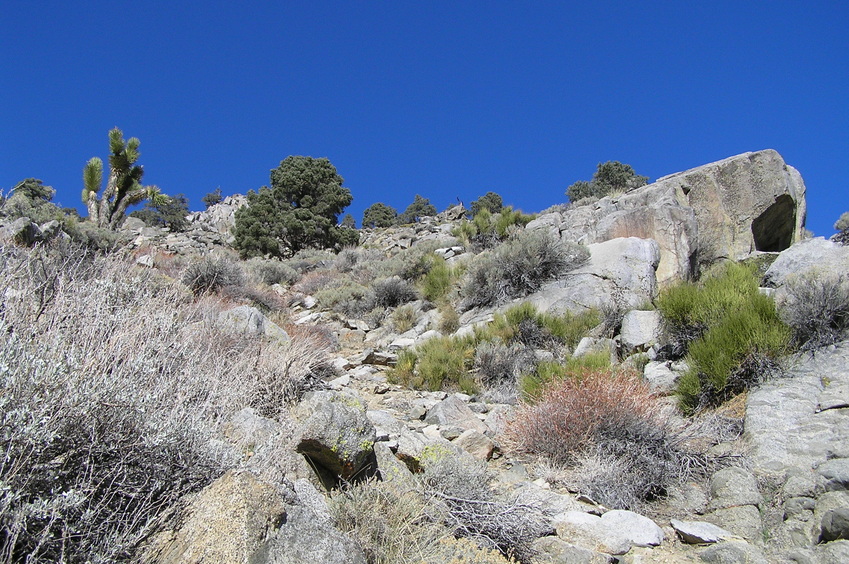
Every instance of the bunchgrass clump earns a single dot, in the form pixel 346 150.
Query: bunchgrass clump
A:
pixel 438 363
pixel 730 330
pixel 439 280
pixel 532 385
pixel 495 358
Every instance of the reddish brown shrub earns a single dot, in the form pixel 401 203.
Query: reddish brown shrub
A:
pixel 569 414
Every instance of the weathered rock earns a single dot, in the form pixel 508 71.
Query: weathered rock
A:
pixel 620 273
pixel 835 525
pixel 727 209
pixel 303 538
pixel 698 532
pixel 743 520
pixel 639 530
pixel 733 486
pixel 247 319
pixel 807 256
pixel 21 231
pixel 476 443
pixel 590 532
pixel 454 411
pixel 226 522
pixel 553 550
pixel 733 552
pixel 836 473
pixel 590 345
pixel 661 376
pixel 788 431
pixel 336 437
pixel 640 330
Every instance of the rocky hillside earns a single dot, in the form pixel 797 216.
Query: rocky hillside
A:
pixel 441 393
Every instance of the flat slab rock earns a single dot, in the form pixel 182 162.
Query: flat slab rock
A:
pixel 794 424
pixel 615 532
pixel 699 532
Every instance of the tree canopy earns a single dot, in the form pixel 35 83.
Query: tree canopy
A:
pixel 609 178
pixel 490 201
pixel 421 207
pixel 300 210
pixel 379 215
pixel 170 214
pixel 212 198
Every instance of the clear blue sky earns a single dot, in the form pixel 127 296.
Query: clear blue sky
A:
pixel 443 99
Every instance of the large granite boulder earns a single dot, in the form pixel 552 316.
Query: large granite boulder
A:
pixel 226 522
pixel 620 274
pixel 337 437
pixel 727 209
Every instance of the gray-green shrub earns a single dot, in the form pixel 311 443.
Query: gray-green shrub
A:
pixel 816 307
pixel 519 267
pixel 210 274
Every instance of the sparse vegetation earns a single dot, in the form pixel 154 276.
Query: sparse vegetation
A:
pixel 519 267
pixel 611 177
pixel 169 212
pixel 487 229
pixel 606 424
pixel 210 274
pixel 816 307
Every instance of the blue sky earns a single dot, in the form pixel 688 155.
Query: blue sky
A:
pixel 445 99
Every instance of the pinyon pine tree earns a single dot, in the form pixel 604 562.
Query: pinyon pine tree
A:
pixel 123 185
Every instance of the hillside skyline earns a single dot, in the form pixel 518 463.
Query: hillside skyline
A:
pixel 444 101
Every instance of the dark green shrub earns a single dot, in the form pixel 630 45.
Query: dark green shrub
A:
pixel 421 207
pixel 299 211
pixel 490 202
pixel 816 307
pixel 731 331
pixel 379 215
pixel 211 274
pixel 169 212
pixel 519 267
pixel 609 178
pixel 212 198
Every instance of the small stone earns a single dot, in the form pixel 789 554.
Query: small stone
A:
pixel 476 443
pixel 733 552
pixel 639 530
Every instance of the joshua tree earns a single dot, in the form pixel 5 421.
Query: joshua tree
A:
pixel 123 187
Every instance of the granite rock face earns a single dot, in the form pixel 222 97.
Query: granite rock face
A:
pixel 726 209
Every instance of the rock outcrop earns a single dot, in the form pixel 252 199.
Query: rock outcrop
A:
pixel 727 209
